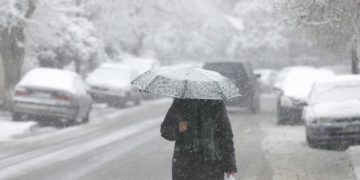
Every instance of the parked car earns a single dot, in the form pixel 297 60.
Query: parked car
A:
pixel 245 80
pixel 294 88
pixel 141 65
pixel 332 114
pixel 51 94
pixel 110 83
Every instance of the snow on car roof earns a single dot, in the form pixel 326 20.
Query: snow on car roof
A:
pixel 49 78
pixel 298 82
pixel 338 88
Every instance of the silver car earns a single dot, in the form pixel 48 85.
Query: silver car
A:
pixel 332 114
pixel 110 83
pixel 51 95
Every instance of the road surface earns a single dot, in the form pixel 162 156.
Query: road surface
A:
pixel 126 145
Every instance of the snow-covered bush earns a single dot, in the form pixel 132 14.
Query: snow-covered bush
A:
pixel 62 35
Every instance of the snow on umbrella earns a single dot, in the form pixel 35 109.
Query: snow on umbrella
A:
pixel 187 83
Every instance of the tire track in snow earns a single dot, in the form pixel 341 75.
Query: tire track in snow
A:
pixel 75 150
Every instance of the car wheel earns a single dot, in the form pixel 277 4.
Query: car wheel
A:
pixel 281 118
pixel 137 101
pixel 17 117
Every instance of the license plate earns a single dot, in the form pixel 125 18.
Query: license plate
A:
pixel 351 129
pixel 41 95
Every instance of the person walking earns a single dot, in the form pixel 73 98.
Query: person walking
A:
pixel 204 147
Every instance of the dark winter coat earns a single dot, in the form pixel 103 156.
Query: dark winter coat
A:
pixel 191 166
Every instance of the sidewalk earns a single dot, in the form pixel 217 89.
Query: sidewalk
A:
pixel 354 152
pixel 8 128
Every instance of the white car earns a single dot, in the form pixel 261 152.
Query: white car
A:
pixel 333 111
pixel 141 65
pixel 110 83
pixel 51 95
pixel 294 89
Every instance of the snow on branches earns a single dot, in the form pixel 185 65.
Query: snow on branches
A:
pixel 15 12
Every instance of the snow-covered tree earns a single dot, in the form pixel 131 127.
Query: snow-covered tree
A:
pixel 168 28
pixel 332 24
pixel 65 35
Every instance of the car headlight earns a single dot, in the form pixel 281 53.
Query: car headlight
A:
pixel 320 121
pixel 312 121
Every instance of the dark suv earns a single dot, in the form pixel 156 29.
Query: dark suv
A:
pixel 245 80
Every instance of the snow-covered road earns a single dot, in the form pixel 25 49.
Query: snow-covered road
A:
pixel 126 144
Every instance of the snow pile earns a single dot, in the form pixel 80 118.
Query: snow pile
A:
pixel 9 129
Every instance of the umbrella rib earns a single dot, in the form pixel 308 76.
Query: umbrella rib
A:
pixel 185 88
pixel 152 82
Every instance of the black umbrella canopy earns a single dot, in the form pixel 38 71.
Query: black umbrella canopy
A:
pixel 187 83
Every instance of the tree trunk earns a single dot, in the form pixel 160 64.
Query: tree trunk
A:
pixel 13 56
pixel 12 51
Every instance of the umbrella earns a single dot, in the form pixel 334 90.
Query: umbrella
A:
pixel 187 83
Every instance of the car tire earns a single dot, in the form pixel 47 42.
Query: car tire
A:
pixel 17 117
pixel 281 119
pixel 312 142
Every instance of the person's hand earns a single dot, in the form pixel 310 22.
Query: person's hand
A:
pixel 183 126
pixel 230 173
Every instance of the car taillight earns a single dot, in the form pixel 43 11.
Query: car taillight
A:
pixel 21 93
pixel 61 96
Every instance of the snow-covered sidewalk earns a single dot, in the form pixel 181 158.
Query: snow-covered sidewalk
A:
pixel 354 152
pixel 291 158
pixel 9 129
